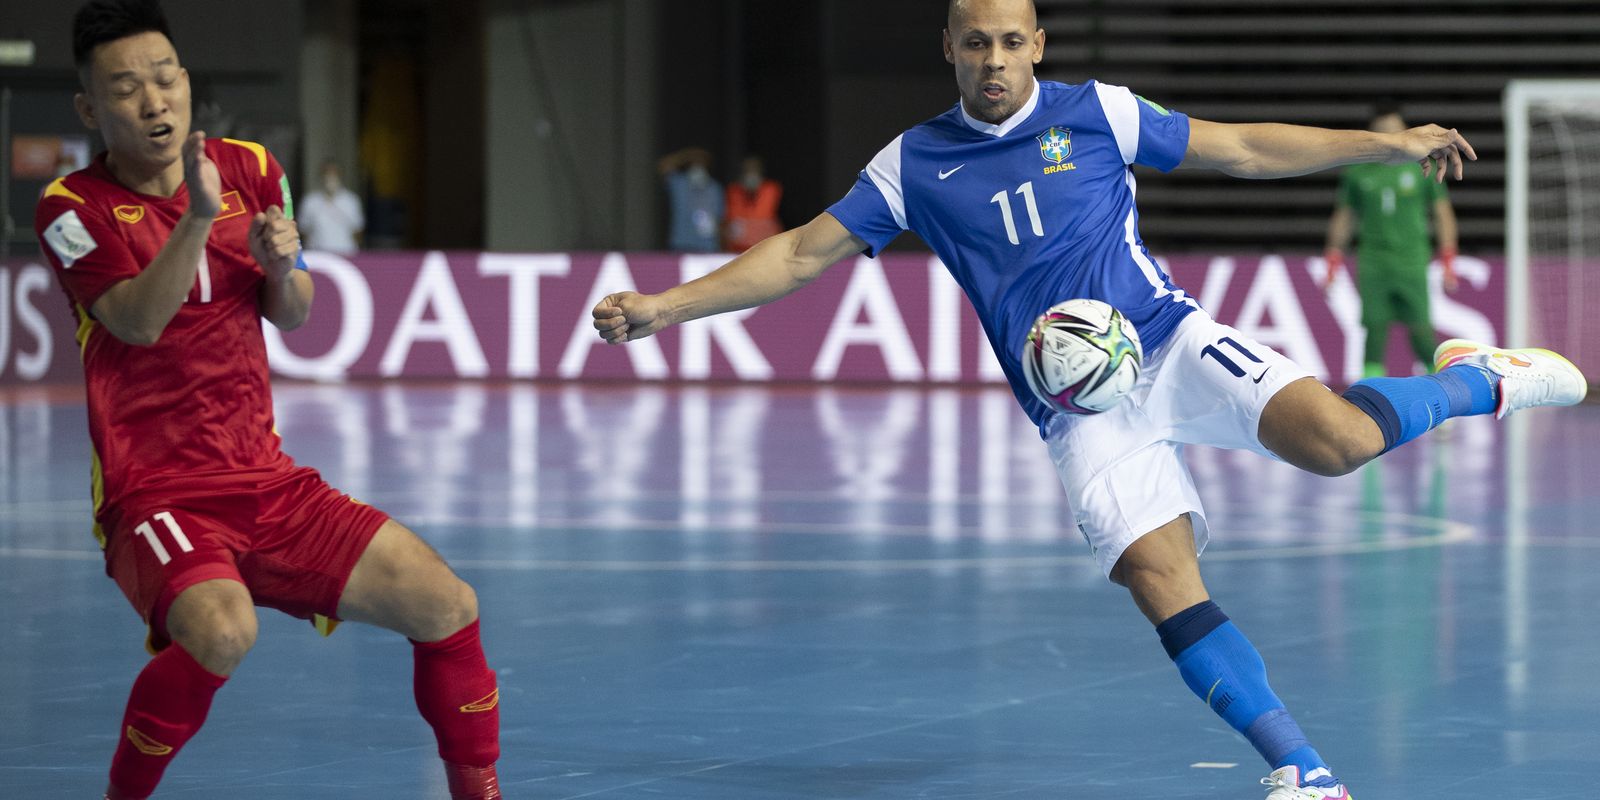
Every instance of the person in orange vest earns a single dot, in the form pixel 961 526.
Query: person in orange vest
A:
pixel 752 208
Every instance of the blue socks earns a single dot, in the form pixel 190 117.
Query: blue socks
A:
pixel 1406 408
pixel 1222 668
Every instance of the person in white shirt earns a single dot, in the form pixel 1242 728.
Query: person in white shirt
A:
pixel 330 218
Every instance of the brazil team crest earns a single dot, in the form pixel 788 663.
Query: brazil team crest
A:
pixel 1056 144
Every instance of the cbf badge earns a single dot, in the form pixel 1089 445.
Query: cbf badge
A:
pixel 1056 144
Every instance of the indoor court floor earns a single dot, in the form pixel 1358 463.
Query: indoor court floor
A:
pixel 754 593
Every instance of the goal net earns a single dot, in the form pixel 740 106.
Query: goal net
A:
pixel 1553 218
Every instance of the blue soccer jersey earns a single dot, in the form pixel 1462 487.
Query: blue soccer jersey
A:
pixel 1031 212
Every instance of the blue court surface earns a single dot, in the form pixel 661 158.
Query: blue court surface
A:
pixel 752 593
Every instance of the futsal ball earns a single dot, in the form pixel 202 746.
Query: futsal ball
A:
pixel 1082 357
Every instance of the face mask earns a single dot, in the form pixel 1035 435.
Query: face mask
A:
pixel 698 175
pixel 752 181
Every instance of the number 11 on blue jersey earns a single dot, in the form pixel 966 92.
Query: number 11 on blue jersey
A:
pixel 1026 190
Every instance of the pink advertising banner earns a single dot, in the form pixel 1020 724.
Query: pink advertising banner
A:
pixel 900 318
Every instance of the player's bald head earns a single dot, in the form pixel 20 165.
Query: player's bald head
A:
pixel 963 11
pixel 994 45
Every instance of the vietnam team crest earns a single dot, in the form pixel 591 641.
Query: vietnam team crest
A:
pixel 1056 144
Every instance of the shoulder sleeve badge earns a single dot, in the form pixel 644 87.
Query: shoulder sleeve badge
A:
pixel 69 238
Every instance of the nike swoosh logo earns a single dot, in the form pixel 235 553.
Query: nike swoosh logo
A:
pixel 1257 379
pixel 943 174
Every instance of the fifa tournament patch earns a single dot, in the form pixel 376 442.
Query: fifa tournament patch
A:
pixel 69 238
pixel 1154 106
pixel 288 197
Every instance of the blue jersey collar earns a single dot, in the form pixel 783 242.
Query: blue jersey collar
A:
pixel 1010 122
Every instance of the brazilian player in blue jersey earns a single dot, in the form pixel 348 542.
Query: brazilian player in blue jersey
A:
pixel 1025 190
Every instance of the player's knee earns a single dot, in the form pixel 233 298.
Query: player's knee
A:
pixel 463 608
pixel 1335 444
pixel 1330 462
pixel 1162 558
pixel 454 608
pixel 217 631
pixel 1139 574
pixel 1341 453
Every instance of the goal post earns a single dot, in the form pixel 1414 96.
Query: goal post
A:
pixel 1552 283
pixel 1553 218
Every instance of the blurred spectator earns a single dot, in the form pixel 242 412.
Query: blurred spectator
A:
pixel 694 199
pixel 391 149
pixel 752 207
pixel 330 217
pixel 1387 207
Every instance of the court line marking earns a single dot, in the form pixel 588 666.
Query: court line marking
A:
pixel 1455 533
pixel 909 725
pixel 1450 533
pixel 1073 690
pixel 45 554
pixel 79 511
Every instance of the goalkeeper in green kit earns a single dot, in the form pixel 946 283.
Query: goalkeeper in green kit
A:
pixel 1387 207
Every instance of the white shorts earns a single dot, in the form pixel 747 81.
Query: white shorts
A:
pixel 1123 469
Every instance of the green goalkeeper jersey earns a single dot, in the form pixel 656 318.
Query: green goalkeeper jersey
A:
pixel 1392 205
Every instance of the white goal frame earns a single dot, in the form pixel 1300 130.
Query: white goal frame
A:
pixel 1519 95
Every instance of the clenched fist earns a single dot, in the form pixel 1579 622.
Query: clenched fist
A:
pixel 628 316
pixel 275 242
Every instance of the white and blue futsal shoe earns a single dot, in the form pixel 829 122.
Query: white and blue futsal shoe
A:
pixel 1284 784
pixel 1529 376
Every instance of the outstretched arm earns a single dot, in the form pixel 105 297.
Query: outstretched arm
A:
pixel 772 269
pixel 1273 150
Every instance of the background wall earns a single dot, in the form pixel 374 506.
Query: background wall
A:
pixel 571 139
pixel 1324 63
pixel 537 123
pixel 329 90
pixel 244 60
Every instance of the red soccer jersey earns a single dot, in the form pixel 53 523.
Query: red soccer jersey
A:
pixel 194 410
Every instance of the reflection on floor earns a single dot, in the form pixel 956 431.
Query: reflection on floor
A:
pixel 790 593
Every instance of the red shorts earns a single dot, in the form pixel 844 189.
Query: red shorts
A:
pixel 291 539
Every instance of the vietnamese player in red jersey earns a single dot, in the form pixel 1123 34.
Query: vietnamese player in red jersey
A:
pixel 172 248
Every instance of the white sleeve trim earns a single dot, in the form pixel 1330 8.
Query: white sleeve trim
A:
pixel 1122 111
pixel 884 172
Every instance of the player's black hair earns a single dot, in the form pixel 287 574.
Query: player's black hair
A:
pixel 100 21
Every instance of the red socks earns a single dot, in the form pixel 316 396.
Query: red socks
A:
pixel 472 783
pixel 456 694
pixel 168 705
